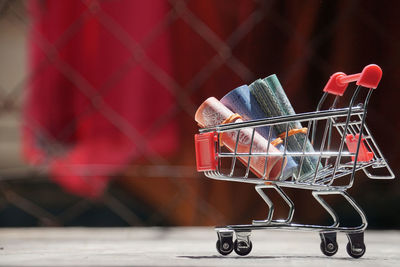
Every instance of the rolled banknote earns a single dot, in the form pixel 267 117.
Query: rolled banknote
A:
pixel 212 112
pixel 272 99
pixel 241 101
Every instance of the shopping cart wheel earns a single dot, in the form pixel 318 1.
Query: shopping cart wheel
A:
pixel 329 246
pixel 226 247
pixel 225 241
pixel 242 248
pixel 356 247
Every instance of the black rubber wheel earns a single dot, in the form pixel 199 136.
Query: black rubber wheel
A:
pixel 356 253
pixel 329 248
pixel 226 248
pixel 241 248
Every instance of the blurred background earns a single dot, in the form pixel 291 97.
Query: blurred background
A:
pixel 97 100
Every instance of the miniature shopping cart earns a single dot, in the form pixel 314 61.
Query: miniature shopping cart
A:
pixel 342 145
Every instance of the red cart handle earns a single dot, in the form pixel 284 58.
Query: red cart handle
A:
pixel 369 78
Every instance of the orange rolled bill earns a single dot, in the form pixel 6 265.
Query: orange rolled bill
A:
pixel 212 112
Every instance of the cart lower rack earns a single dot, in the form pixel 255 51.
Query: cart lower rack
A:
pixel 342 145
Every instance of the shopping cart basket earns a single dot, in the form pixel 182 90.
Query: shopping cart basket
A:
pixel 342 146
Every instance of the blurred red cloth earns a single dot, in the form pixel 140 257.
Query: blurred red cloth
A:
pixel 89 106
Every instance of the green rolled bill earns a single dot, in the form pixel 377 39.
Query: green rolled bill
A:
pixel 272 99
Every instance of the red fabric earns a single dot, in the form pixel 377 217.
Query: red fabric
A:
pixel 82 119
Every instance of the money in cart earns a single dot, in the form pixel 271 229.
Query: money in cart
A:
pixel 318 151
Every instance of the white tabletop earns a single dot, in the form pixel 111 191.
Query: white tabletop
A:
pixel 181 247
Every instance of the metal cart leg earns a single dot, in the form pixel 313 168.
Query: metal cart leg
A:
pixel 316 195
pixel 356 246
pixel 329 245
pixel 351 201
pixel 259 189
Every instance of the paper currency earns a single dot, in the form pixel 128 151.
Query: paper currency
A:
pixel 212 112
pixel 241 101
pixel 273 101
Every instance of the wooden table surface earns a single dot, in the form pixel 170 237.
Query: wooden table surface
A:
pixel 181 247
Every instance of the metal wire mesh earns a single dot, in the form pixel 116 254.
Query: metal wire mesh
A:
pixel 304 49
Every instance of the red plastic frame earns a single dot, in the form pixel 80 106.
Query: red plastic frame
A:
pixel 369 77
pixel 364 154
pixel 206 156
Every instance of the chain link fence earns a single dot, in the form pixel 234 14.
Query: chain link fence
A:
pixel 238 50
